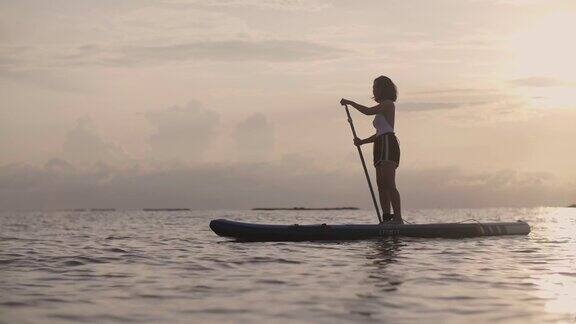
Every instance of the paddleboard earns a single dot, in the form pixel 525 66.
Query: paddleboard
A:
pixel 263 232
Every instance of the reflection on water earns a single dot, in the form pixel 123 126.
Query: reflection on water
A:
pixel 381 254
pixel 169 267
pixel 555 237
pixel 560 292
pixel 385 251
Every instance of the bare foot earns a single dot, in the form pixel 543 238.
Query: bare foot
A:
pixel 397 219
pixel 387 218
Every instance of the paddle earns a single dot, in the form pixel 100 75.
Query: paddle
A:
pixel 364 166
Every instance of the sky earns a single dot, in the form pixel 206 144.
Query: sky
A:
pixel 234 104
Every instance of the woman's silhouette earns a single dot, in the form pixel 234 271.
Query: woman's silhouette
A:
pixel 386 146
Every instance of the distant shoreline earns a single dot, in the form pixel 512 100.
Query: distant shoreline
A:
pixel 305 208
pixel 166 209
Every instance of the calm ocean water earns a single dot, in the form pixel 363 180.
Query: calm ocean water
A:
pixel 134 266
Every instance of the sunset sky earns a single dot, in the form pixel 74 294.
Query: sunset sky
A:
pixel 234 104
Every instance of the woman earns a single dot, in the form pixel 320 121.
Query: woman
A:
pixel 386 147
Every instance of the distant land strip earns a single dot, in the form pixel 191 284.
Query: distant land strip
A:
pixel 304 208
pixel 572 206
pixel 166 209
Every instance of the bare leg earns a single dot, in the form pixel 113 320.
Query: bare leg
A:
pixel 387 179
pixel 383 193
pixel 396 204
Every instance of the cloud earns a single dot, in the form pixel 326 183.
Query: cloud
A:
pixel 84 144
pixel 49 79
pixel 456 91
pixel 59 166
pixel 18 61
pixel 254 138
pixel 427 106
pixel 511 2
pixel 209 186
pixel 467 102
pixel 424 106
pixel 450 98
pixel 288 182
pixel 288 5
pixel 232 50
pixel 182 133
pixel 538 82
pixel 453 187
pixel 16 64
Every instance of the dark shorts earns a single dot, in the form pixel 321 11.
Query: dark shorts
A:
pixel 386 148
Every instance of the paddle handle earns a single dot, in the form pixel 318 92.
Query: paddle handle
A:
pixel 364 166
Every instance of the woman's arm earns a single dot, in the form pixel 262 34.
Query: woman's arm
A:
pixel 378 109
pixel 365 110
pixel 359 142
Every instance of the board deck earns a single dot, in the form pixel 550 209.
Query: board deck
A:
pixel 262 232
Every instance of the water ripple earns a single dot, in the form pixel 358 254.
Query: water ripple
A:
pixel 130 266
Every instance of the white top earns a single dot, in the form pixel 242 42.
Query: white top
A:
pixel 382 126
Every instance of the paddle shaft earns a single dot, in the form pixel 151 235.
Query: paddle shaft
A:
pixel 364 165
